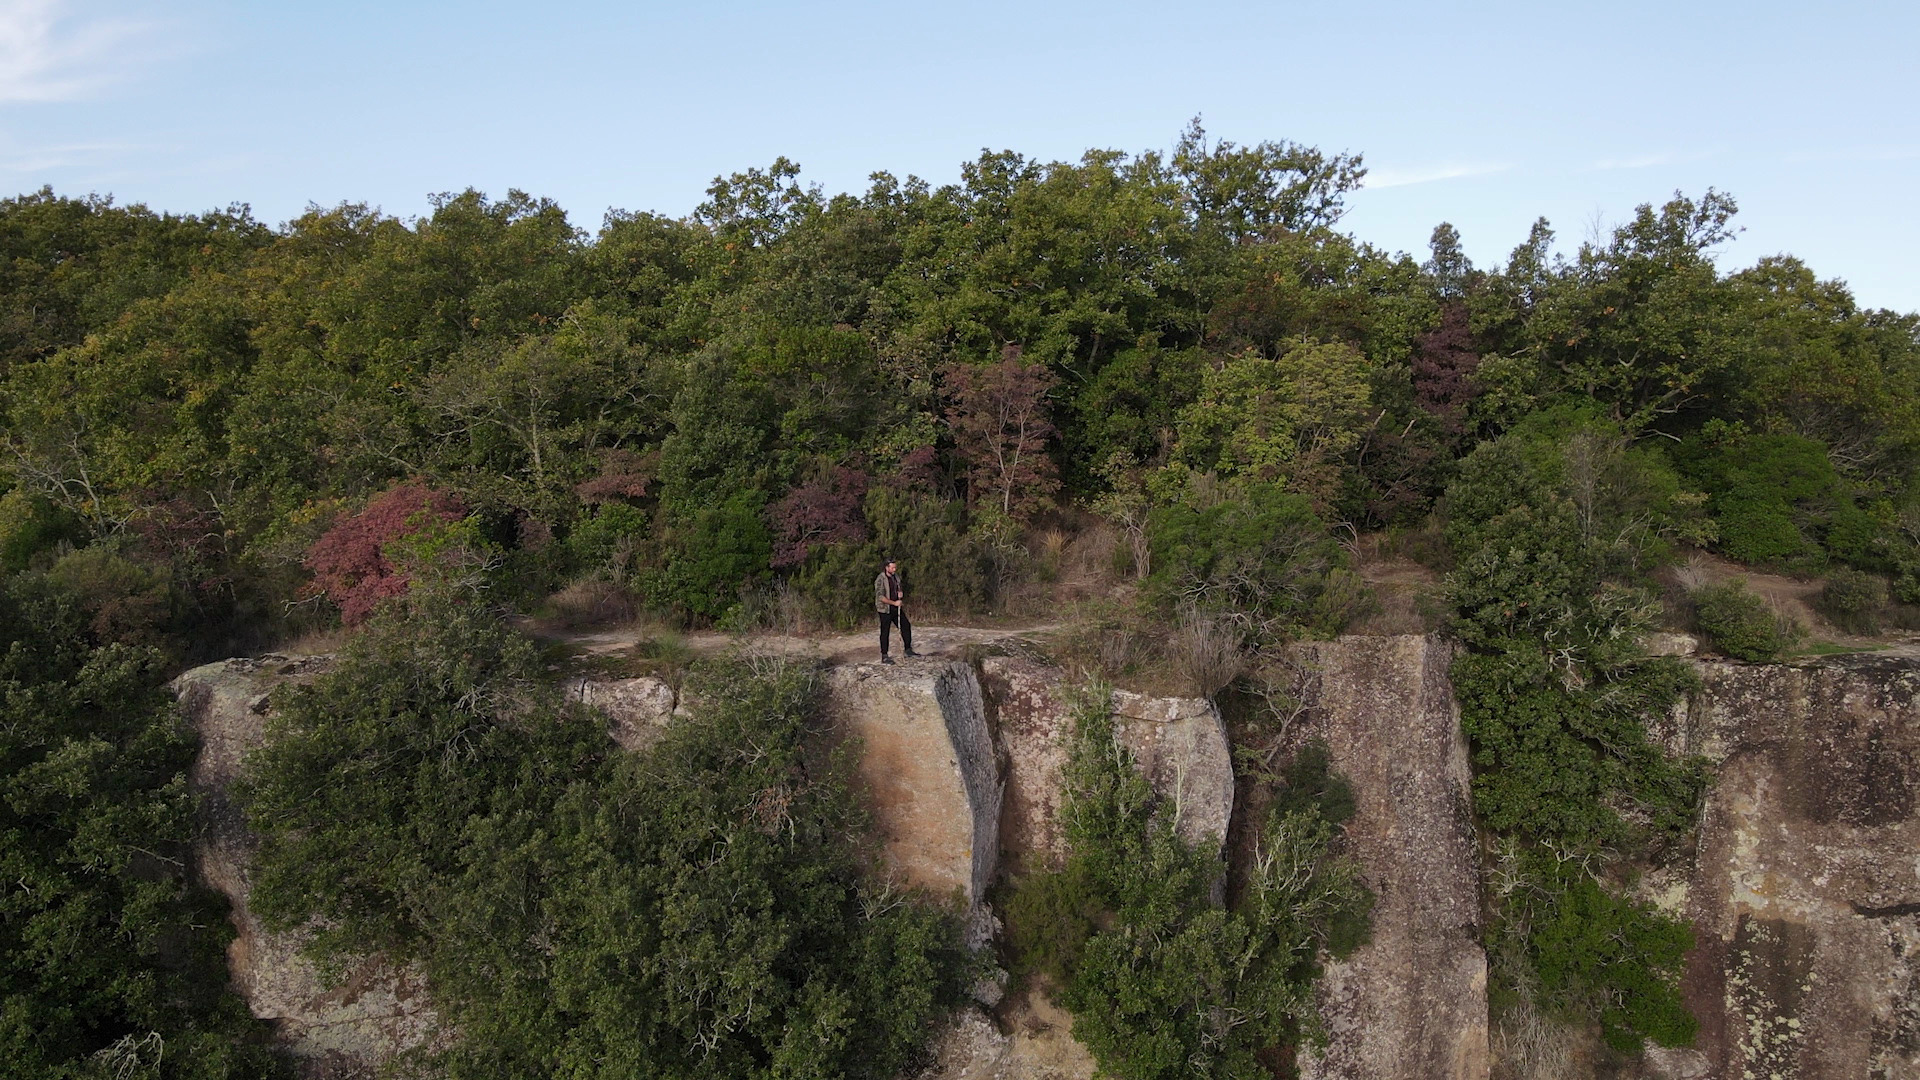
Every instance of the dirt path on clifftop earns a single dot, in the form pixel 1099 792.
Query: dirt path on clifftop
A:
pixel 930 640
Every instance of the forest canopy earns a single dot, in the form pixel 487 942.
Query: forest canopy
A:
pixel 777 386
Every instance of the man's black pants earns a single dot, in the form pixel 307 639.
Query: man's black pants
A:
pixel 887 620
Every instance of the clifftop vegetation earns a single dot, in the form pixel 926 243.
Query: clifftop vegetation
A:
pixel 215 435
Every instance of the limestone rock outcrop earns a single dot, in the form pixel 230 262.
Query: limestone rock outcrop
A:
pixel 637 710
pixel 1804 891
pixel 336 1031
pixel 1179 743
pixel 928 767
pixel 1411 1003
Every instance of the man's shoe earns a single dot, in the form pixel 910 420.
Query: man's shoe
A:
pixel 886 659
pixel 910 652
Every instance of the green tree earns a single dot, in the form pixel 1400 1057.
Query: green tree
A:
pixel 1289 419
pixel 1554 527
pixel 1246 191
pixel 70 267
pixel 533 412
pixel 114 959
pixel 1642 326
pixel 1824 370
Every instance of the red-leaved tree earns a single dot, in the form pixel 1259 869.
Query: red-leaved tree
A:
pixel 919 470
pixel 623 474
pixel 349 562
pixel 998 414
pixel 1444 360
pixel 824 510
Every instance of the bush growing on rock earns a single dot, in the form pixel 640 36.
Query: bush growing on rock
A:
pixel 1162 982
pixel 1555 528
pixel 112 959
pixel 699 911
pixel 1595 954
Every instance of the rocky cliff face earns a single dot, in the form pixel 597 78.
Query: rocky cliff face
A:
pixel 1412 1003
pixel 927 763
pixel 1805 887
pixel 1180 745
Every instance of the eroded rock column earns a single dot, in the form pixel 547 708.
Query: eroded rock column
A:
pixel 1411 1004
pixel 928 768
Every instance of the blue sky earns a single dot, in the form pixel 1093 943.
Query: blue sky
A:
pixel 1485 115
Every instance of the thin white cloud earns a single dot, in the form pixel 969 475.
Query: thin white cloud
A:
pixel 1868 153
pixel 1389 178
pixel 1644 161
pixel 1648 161
pixel 39 159
pixel 49 54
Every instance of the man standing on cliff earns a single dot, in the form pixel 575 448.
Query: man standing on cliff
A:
pixel 890 600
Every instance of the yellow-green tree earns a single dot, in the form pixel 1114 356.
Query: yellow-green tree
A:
pixel 1288 418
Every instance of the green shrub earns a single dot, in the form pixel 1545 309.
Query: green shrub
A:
pixel 1596 955
pixel 697 911
pixel 1253 551
pixel 1553 765
pixel 942 568
pixel 607 543
pixel 1309 786
pixel 835 584
pixel 1906 587
pixel 1853 600
pixel 1741 624
pixel 125 601
pixel 1554 762
pixel 29 525
pixel 1167 984
pixel 1553 537
pixel 112 956
pixel 1049 917
pixel 710 558
pixel 1777 499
